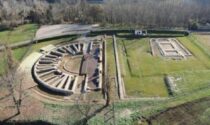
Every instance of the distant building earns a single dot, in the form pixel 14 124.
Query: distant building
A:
pixel 140 32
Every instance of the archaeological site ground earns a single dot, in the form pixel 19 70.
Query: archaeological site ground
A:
pixel 69 76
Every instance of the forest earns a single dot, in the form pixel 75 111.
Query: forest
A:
pixel 132 13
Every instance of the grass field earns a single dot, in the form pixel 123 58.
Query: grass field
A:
pixel 20 53
pixel 144 74
pixel 193 113
pixel 18 34
pixel 111 68
pixel 21 33
pixel 204 40
pixel 110 58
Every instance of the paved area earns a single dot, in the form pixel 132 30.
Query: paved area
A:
pixel 19 44
pixel 26 66
pixel 47 48
pixel 29 61
pixel 49 31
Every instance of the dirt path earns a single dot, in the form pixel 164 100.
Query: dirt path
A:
pixel 50 31
pixel 121 89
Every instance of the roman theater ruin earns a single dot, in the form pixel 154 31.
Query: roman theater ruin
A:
pixel 73 68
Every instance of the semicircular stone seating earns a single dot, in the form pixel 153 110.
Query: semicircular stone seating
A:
pixel 47 73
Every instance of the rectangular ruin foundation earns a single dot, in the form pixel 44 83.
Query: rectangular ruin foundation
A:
pixel 169 48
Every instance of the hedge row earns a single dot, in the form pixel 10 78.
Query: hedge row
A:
pixel 150 32
pixel 110 32
pixel 168 32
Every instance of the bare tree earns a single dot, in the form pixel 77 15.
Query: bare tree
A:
pixel 12 79
pixel 145 13
pixel 87 107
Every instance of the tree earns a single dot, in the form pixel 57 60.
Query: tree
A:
pixel 12 79
pixel 87 107
pixel 193 25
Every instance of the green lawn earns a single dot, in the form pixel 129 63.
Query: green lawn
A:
pixel 21 33
pixel 111 69
pixel 134 68
pixel 192 81
pixel 20 53
pixel 36 47
pixel 203 42
pixel 144 74
pixel 110 58
pixel 18 34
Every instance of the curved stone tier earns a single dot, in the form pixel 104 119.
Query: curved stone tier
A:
pixel 46 69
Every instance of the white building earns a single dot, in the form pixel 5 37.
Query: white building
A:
pixel 140 32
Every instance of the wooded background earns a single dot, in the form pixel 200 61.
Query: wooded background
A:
pixel 141 13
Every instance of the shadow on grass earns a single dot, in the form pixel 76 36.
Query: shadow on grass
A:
pixel 58 37
pixel 84 121
pixel 132 37
pixel 38 122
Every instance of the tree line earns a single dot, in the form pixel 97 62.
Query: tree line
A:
pixel 141 13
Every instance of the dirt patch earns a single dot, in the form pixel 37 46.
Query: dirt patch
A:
pixel 70 64
pixel 30 108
